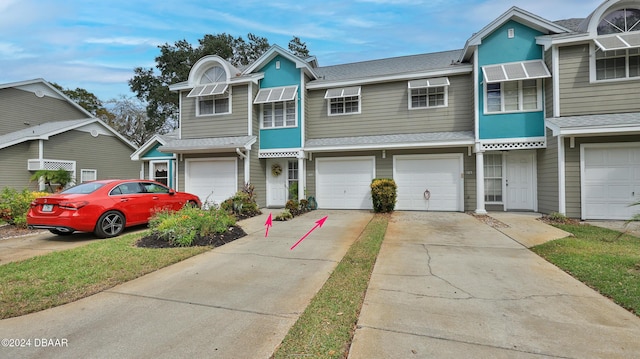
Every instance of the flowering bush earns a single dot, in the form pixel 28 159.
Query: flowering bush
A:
pixel 181 228
pixel 384 194
pixel 14 205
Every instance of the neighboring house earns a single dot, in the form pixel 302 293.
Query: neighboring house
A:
pixel 156 165
pixel 41 128
pixel 531 115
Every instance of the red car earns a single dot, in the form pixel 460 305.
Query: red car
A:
pixel 105 207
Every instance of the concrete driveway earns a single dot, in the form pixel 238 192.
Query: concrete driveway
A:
pixel 447 286
pixel 236 301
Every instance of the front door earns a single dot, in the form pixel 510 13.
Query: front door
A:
pixel 520 181
pixel 277 172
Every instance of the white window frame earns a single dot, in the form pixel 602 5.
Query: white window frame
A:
pixel 594 65
pixel 426 85
pixel 520 97
pixel 84 170
pixel 226 95
pixel 284 114
pixel 152 172
pixel 343 100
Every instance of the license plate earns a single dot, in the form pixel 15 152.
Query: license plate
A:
pixel 47 207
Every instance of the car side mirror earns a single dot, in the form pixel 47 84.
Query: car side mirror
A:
pixel 172 192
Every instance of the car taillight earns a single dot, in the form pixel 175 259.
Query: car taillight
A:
pixel 34 204
pixel 74 206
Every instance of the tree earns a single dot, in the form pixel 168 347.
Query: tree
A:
pixel 85 99
pixel 298 48
pixel 175 62
pixel 130 119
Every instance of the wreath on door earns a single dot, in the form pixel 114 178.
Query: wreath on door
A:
pixel 276 170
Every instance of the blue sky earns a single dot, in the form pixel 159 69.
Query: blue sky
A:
pixel 97 44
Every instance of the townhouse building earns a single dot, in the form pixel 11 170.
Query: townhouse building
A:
pixel 530 115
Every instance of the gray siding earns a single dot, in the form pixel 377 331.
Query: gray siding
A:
pixel 13 161
pixel 384 110
pixel 18 107
pixel 106 154
pixel 384 168
pixel 548 86
pixel 579 97
pixel 548 176
pixel 234 124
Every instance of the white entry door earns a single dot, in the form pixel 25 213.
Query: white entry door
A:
pixel 277 184
pixel 520 181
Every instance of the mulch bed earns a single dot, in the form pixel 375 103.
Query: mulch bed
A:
pixel 214 240
pixel 9 231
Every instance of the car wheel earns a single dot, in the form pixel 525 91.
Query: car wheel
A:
pixel 60 233
pixel 110 224
pixel 191 204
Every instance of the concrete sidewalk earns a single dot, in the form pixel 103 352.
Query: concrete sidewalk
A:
pixel 236 301
pixel 446 285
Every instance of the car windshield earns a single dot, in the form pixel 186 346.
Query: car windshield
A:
pixel 84 188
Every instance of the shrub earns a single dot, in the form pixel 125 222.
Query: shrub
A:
pixel 182 227
pixel 284 216
pixel 293 191
pixel 383 194
pixel 14 205
pixel 243 203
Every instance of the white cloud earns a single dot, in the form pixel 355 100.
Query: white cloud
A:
pixel 12 51
pixel 128 41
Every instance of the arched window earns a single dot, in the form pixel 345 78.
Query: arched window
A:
pixel 623 20
pixel 214 74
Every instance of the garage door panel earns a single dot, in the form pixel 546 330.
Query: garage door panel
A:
pixel 344 183
pixel 610 181
pixel 212 180
pixel 428 182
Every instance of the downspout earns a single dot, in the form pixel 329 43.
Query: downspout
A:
pixel 562 189
pixel 244 156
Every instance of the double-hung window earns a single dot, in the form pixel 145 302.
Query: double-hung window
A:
pixel 428 93
pixel 213 105
pixel 212 95
pixel 343 101
pixel 279 106
pixel 617 54
pixel 514 87
pixel 513 96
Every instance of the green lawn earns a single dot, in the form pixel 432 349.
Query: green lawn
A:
pixel 61 277
pixel 326 327
pixel 601 258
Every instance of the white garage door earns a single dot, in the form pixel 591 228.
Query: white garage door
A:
pixel 429 182
pixel 610 180
pixel 213 180
pixel 344 183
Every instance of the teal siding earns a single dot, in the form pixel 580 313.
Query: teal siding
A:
pixel 154 153
pixel 280 138
pixel 287 75
pixel 498 48
pixel 512 125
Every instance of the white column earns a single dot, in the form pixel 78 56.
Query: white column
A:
pixel 562 192
pixel 247 167
pixel 480 209
pixel 301 177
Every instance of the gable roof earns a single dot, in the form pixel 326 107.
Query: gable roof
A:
pixel 46 130
pixel 32 85
pixel 276 50
pixel 395 68
pixel 514 13
pixel 156 139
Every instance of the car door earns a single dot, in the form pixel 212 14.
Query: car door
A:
pixel 160 198
pixel 130 199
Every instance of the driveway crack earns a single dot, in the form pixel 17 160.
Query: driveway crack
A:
pixel 277 315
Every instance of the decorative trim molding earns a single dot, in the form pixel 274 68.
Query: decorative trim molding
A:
pixel 513 145
pixel 279 154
